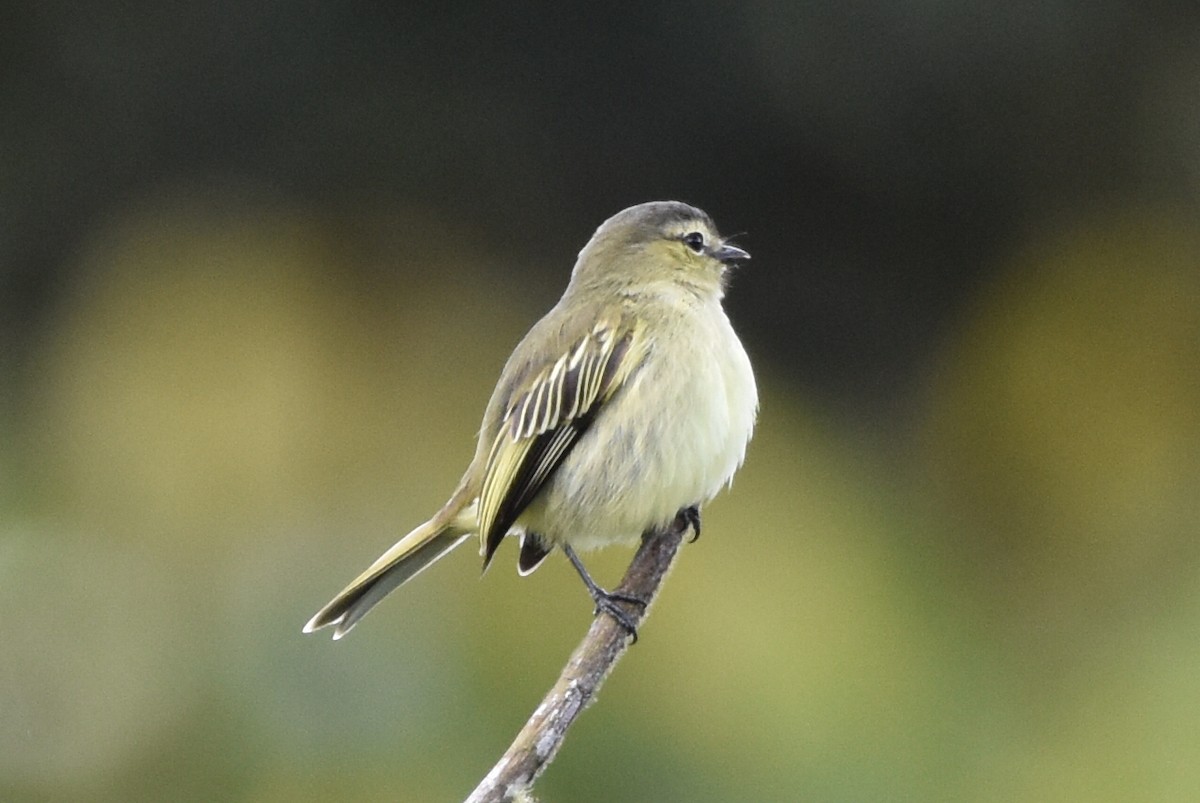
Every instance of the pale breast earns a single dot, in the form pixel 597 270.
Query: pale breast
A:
pixel 672 437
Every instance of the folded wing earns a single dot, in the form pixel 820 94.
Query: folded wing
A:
pixel 546 418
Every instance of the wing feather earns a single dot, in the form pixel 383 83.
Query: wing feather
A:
pixel 544 420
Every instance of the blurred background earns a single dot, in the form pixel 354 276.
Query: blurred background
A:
pixel 260 264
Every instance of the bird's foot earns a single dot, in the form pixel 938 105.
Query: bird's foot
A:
pixel 609 602
pixel 691 520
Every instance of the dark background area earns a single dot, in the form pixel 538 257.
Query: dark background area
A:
pixel 260 263
pixel 882 158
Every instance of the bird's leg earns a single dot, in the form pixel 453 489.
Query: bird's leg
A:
pixel 607 600
pixel 691 518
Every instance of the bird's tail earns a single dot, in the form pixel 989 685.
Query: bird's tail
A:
pixel 407 557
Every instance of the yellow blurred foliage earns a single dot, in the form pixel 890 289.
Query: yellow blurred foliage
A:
pixel 240 403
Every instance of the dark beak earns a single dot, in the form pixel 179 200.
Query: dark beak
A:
pixel 729 254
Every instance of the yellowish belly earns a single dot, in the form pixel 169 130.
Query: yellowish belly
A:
pixel 671 438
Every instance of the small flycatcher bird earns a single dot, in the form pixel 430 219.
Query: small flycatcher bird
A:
pixel 630 403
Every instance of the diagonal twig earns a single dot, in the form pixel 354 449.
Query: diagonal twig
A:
pixel 606 641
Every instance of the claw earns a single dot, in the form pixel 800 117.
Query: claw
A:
pixel 691 517
pixel 607 601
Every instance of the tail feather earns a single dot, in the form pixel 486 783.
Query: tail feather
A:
pixel 407 558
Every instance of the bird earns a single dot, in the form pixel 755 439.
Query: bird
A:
pixel 629 404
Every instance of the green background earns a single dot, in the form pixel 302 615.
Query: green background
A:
pixel 260 265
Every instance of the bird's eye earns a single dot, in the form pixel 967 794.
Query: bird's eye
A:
pixel 694 241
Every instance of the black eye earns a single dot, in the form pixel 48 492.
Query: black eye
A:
pixel 694 241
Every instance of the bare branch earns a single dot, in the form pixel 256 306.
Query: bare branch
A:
pixel 538 742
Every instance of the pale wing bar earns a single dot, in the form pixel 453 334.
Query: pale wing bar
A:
pixel 543 423
pixel 566 390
